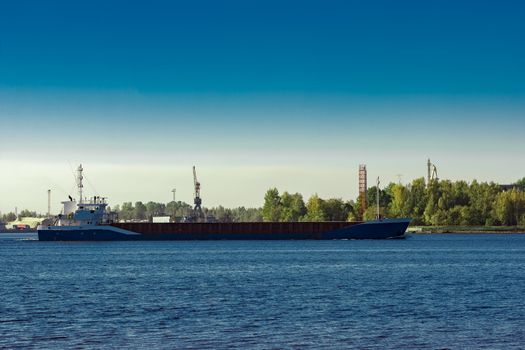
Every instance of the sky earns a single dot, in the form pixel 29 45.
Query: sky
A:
pixel 256 94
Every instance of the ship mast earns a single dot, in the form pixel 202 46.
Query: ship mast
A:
pixel 48 203
pixel 362 190
pixel 79 183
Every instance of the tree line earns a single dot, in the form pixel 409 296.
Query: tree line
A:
pixel 441 202
pixel 11 216
pixel 436 203
pixel 140 211
pixel 453 203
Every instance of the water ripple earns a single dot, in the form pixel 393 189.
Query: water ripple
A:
pixel 436 292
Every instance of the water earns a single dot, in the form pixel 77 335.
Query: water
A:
pixel 432 291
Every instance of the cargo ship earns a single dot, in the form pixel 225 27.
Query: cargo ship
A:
pixel 89 220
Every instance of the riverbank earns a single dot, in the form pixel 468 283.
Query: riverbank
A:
pixel 466 229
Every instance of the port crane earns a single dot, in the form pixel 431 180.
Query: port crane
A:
pixel 197 201
pixel 432 174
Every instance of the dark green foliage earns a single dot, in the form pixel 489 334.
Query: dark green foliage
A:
pixel 335 209
pixel 418 200
pixel 177 209
pixel 23 214
pixel 292 207
pixel 27 214
pixel 400 203
pixel 315 209
pixel 385 197
pixel 8 217
pixel 272 205
pixel 140 211
pixel 155 209
pixel 458 203
pixel 127 212
pixel 521 183
pixel 510 207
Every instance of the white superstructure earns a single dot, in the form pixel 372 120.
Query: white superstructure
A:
pixel 85 212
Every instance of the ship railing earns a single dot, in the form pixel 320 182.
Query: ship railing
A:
pixel 91 201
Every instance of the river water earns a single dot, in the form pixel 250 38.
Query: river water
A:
pixel 425 292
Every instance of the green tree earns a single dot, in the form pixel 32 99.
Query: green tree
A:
pixel 460 193
pixel 418 200
pixel 27 214
pixel 315 209
pixel 298 206
pixel 139 212
pixel 371 213
pixel 272 205
pixel 222 214
pixel 371 197
pixel 352 216
pixel 433 214
pixel 335 210
pixel 400 204
pixel 351 211
pixel 171 209
pixel 155 209
pixel 292 207
pixel 521 183
pixel 482 200
pixel 127 212
pixel 253 215
pixel 9 217
pixel 286 213
pixel 177 208
pixel 456 215
pixel 510 207
pixel 239 214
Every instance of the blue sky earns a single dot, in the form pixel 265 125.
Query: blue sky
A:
pixel 257 94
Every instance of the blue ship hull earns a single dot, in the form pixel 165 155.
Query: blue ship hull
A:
pixel 380 229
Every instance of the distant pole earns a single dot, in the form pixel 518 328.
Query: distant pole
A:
pixel 174 204
pixel 16 213
pixel 377 198
pixel 48 203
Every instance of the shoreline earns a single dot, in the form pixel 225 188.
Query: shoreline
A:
pixel 466 229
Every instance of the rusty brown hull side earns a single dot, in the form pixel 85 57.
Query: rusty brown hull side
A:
pixel 238 230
